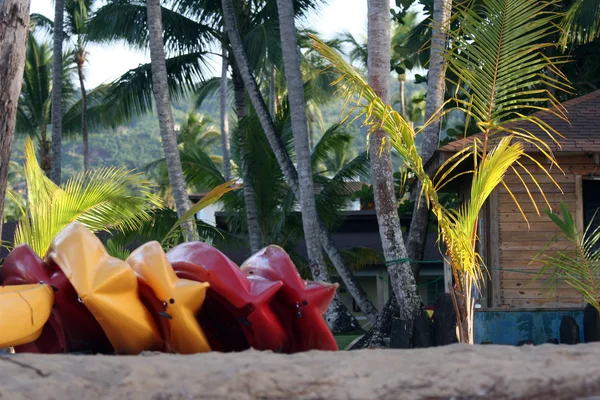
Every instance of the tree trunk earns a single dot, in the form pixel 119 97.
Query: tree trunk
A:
pixel 254 233
pixel 402 80
pixel 84 129
pixel 403 282
pixel 272 91
pixel 284 160
pixel 14 25
pixel 297 102
pixel 336 314
pixel 57 67
pixel 224 103
pixel 431 134
pixel 165 114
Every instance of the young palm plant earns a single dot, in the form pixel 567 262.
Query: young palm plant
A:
pixel 578 265
pixel 496 53
pixel 104 199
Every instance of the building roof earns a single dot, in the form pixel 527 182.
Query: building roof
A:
pixel 581 133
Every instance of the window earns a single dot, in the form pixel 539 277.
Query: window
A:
pixel 435 286
pixel 591 203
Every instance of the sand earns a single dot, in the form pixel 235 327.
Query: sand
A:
pixel 457 371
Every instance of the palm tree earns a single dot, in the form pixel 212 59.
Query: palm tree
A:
pixel 165 114
pixel 382 174
pixel 295 86
pixel 57 99
pixel 224 114
pixel 484 53
pixel 35 102
pixel 77 17
pixel 14 25
pixel 434 101
pixel 283 159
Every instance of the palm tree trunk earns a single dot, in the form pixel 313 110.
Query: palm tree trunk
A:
pixel 84 129
pixel 14 25
pixel 254 233
pixel 57 67
pixel 435 98
pixel 165 114
pixel 224 104
pixel 272 100
pixel 403 281
pixel 295 85
pixel 284 160
pixel 402 80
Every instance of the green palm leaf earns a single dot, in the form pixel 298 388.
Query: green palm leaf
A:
pixel 581 23
pixel 104 199
pixel 578 264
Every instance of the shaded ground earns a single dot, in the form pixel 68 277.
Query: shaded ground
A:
pixel 457 371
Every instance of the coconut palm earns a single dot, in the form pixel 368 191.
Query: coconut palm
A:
pixel 14 24
pixel 283 158
pixel 485 51
pixel 295 84
pixel 35 102
pixel 57 97
pixel 165 114
pixel 436 79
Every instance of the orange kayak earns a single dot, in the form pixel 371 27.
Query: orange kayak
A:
pixel 173 302
pixel 71 327
pixel 108 287
pixel 25 311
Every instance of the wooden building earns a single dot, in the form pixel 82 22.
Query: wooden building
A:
pixel 508 242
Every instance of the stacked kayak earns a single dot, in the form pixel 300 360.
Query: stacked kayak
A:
pixel 192 299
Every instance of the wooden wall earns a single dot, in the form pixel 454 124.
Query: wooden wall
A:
pixel 513 243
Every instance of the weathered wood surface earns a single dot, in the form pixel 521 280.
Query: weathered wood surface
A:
pixel 457 371
pixel 520 240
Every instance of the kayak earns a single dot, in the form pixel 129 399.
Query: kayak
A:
pixel 23 313
pixel 238 311
pixel 108 288
pixel 71 327
pixel 299 304
pixel 173 302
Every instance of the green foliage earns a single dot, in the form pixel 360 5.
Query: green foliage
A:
pixel 496 56
pixel 104 199
pixel 578 264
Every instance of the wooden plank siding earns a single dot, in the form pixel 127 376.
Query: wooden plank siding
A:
pixel 519 241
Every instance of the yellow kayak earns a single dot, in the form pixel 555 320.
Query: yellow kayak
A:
pixel 24 309
pixel 108 287
pixel 176 302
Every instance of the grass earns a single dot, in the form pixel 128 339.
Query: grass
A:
pixel 344 340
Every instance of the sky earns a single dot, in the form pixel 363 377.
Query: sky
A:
pixel 108 62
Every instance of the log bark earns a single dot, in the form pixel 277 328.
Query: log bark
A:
pixel 14 25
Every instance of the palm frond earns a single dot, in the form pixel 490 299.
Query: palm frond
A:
pixel 131 94
pixel 104 199
pixel 581 23
pixel 578 263
pixel 126 21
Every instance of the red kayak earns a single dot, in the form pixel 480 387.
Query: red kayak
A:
pixel 71 326
pixel 237 312
pixel 299 304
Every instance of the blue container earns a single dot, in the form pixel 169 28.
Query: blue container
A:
pixel 510 327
